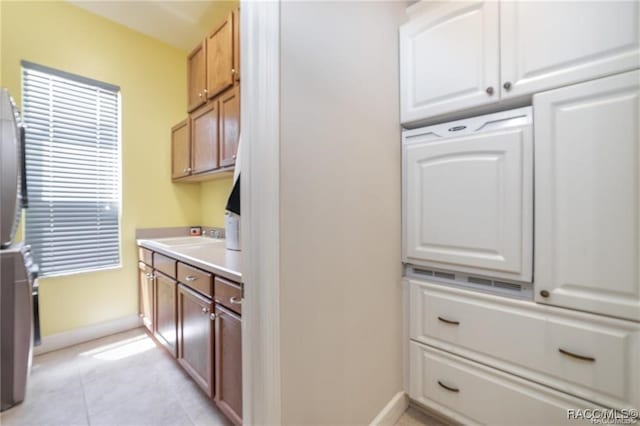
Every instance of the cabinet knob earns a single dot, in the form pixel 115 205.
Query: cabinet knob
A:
pixel 190 278
pixel 507 85
pixel 205 91
pixel 489 90
pixel 235 301
pixel 233 156
pixel 205 310
pixel 233 70
pixel 544 293
pixel 213 316
pixel 199 94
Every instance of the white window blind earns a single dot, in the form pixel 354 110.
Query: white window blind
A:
pixel 73 170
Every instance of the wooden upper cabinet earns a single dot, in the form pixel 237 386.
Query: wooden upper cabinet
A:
pixel 229 126
pixel 204 138
pixel 236 44
pixel 180 150
pixel 197 77
pixel 219 48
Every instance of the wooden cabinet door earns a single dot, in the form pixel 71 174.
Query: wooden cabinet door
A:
pixel 195 337
pixel 180 150
pixel 204 138
pixel 449 60
pixel 145 295
pixel 229 364
pixel 229 126
pixel 197 77
pixel 166 317
pixel 550 44
pixel 219 47
pixel 236 44
pixel 587 219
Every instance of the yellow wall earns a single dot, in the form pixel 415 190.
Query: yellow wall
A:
pixel 214 194
pixel 152 78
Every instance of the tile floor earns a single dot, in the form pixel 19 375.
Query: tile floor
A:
pixel 119 380
pixel 123 380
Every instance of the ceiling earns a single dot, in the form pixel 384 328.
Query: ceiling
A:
pixel 181 24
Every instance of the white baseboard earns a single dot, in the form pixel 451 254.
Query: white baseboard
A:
pixel 392 411
pixel 84 334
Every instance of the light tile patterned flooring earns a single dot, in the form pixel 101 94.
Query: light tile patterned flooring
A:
pixel 123 380
pixel 119 380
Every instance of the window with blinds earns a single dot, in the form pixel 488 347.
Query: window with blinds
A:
pixel 73 170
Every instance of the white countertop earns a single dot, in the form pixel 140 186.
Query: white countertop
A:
pixel 205 253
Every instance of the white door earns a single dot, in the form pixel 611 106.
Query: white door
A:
pixel 449 59
pixel 587 214
pixel 467 200
pixel 548 44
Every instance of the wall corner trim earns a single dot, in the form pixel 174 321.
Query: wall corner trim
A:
pixel 392 411
pixel 84 334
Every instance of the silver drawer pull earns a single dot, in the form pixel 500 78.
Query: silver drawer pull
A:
pixel 576 356
pixel 446 321
pixel 190 278
pixel 449 388
pixel 235 300
pixel 213 316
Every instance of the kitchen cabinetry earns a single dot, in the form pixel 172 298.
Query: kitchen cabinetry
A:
pixel 197 317
pixel 228 364
pixel 449 59
pixel 196 337
pixel 180 150
pixel 145 294
pixel 166 316
pixel 551 44
pixel 471 393
pixel 236 44
pixel 197 77
pixel 219 48
pixel 586 215
pixel 204 146
pixel 459 55
pixel 204 139
pixel 229 126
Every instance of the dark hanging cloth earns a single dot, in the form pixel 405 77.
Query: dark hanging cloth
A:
pixel 233 204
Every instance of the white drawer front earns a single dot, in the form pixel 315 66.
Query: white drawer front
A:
pixel 484 395
pixel 533 341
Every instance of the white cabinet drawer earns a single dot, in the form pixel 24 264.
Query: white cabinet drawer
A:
pixel 474 394
pixel 538 342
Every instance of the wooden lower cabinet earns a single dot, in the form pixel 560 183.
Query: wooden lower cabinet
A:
pixel 166 331
pixel 145 295
pixel 196 337
pixel 228 363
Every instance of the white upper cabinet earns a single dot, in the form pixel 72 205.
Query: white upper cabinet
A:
pixel 548 44
pixel 587 211
pixel 459 55
pixel 449 59
pixel 467 201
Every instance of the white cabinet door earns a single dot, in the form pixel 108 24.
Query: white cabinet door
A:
pixel 467 201
pixel 449 59
pixel 548 44
pixel 587 190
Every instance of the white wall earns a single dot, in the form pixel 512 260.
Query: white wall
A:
pixel 341 336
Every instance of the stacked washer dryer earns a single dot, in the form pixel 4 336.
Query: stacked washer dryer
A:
pixel 19 327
